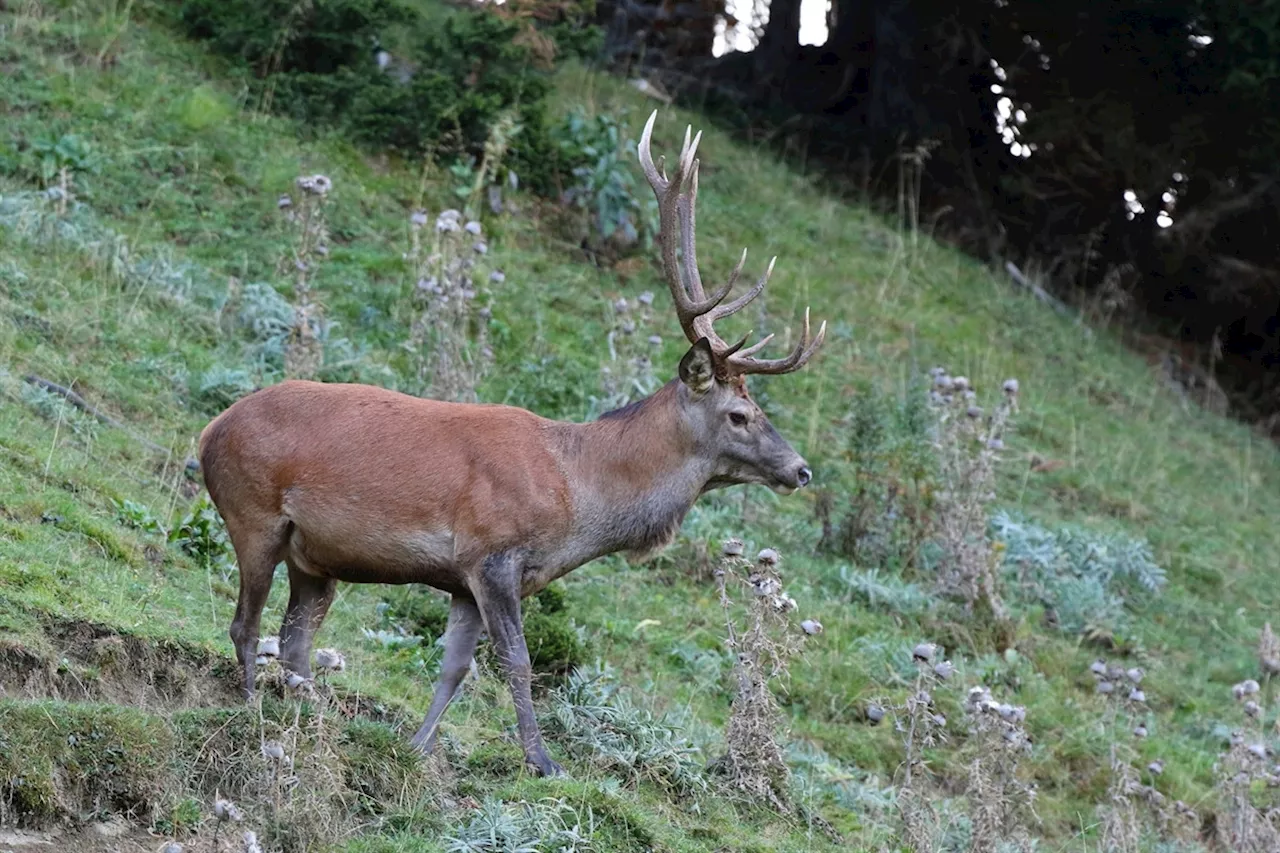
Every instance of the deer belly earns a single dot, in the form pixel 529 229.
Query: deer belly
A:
pixel 376 557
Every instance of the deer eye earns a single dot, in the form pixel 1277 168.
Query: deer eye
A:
pixel 737 419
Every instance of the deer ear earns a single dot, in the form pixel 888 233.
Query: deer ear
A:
pixel 697 368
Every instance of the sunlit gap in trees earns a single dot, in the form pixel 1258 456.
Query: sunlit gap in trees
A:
pixel 751 16
pixel 1009 120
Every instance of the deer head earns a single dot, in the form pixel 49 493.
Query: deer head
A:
pixel 725 420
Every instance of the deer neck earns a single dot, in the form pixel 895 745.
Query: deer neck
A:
pixel 634 473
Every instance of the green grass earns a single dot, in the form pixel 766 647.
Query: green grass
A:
pixel 122 299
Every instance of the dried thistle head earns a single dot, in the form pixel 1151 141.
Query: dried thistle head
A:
pixel 1269 651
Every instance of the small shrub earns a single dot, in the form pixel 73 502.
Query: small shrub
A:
pixel 201 534
pixel 601 726
pixel 1085 578
pixel 614 220
pixel 997 796
pixel 219 387
pixel 449 339
pixel 753 761
pixel 1251 823
pixel 628 374
pixel 968 442
pixel 304 347
pixel 547 824
pixel 882 513
pixel 884 591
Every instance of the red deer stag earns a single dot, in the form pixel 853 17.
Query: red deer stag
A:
pixel 488 503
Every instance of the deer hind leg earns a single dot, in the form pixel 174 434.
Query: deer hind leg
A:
pixel 309 600
pixel 258 551
pixel 498 597
pixel 459 647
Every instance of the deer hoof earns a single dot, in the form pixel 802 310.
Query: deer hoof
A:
pixel 542 765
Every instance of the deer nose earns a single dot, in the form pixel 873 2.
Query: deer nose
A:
pixel 804 475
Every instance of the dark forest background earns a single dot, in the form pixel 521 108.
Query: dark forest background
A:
pixel 1126 155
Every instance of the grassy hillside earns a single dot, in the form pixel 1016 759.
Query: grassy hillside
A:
pixel 118 679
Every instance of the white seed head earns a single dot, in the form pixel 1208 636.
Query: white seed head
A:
pixel 418 218
pixel 172 847
pixel 473 228
pixel 646 298
pixel 995 444
pixel 924 698
pixel 1098 667
pixel 620 305
pixel 497 277
pixel 480 247
pixel 262 660
pixel 1156 767
pixel 249 842
pixel 1106 688
pixel 1011 387
pixel 1136 695
pixel 944 670
pixel 875 714
pixel 812 627
pixel 1007 712
pixel 330 659
pixel 767 557
pixel 1139 731
pixel 655 340
pixel 732 548
pixel 225 810
pixel 764 586
pixel 1258 751
pixel 283 202
pixel 1252 709
pixel 1236 739
pixel 274 750
pixel 269 647
pixel 974 412
pixel 296 682
pixel 1135 674
pixel 943 382
pixel 924 652
pixel 1248 687
pixel 939 720
pixel 960 383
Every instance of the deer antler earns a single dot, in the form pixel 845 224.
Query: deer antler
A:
pixel 696 311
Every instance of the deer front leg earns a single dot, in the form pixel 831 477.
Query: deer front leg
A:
pixel 498 597
pixel 459 647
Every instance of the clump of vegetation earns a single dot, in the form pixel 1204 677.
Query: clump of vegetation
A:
pixel 753 761
pixel 1250 823
pixel 304 349
pixel 449 338
pixel 968 442
pixel 1131 806
pixel 628 374
pixel 998 797
pixel 200 532
pixel 880 513
pixel 921 726
pixel 555 643
pixel 441 92
pixel 613 221
pixel 547 824
pixel 601 726
pixel 1085 579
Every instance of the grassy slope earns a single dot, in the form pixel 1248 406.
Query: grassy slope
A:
pixel 187 174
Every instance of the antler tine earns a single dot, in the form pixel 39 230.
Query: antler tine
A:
pixel 743 364
pixel 742 301
pixel 655 175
